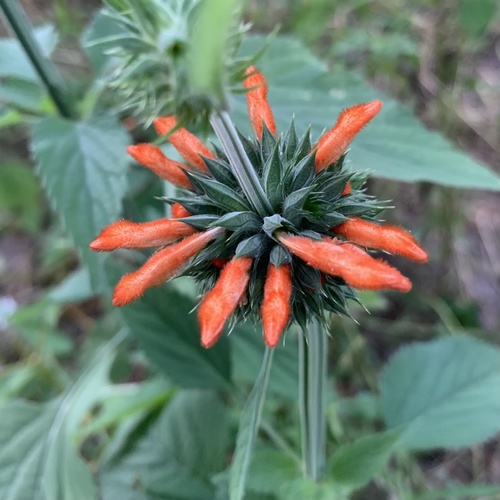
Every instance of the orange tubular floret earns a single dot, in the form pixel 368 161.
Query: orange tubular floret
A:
pixel 153 158
pixel 259 109
pixel 335 142
pixel 392 239
pixel 160 267
pixel 178 211
pixel 187 144
pixel 275 310
pixel 126 234
pixel 220 302
pixel 347 189
pixel 354 265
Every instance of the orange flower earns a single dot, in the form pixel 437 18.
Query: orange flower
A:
pixel 335 142
pixel 282 247
pixel 187 144
pixel 258 105
pixel 126 234
pixel 354 265
pixel 223 299
pixel 153 158
pixel 160 267
pixel 392 239
pixel 276 307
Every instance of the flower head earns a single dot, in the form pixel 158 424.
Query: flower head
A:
pixel 302 257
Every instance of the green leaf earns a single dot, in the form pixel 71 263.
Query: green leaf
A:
pixel 166 329
pixel 248 429
pixel 209 49
pixel 242 221
pixel 269 470
pixel 474 16
pixel 272 175
pixel 83 167
pixel 444 392
pixel 395 145
pixel 13 58
pixel 38 459
pixel 177 456
pixel 252 246
pixel 76 287
pixel 356 464
pixel 220 194
pixel 302 488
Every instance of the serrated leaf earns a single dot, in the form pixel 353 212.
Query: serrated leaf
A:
pixel 356 464
pixel 83 167
pixel 444 392
pixel 395 145
pixel 244 221
pixel 248 429
pixel 268 144
pixel 166 329
pixel 177 456
pixel 275 222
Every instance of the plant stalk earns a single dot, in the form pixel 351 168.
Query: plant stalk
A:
pixel 312 398
pixel 45 69
pixel 240 163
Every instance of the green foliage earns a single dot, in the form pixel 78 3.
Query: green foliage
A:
pixel 475 15
pixel 169 336
pixel 357 463
pixel 175 457
pixel 82 166
pixel 443 393
pixel 395 146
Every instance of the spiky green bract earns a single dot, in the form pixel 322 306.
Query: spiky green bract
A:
pixel 303 203
pixel 150 45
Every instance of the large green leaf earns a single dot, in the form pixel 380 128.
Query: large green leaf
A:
pixel 395 145
pixel 445 393
pixel 13 59
pixel 83 169
pixel 38 459
pixel 357 463
pixel 166 329
pixel 177 456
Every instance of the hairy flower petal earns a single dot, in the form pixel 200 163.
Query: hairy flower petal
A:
pixel 187 144
pixel 348 261
pixel 276 308
pixel 392 239
pixel 160 267
pixel 126 234
pixel 259 109
pixel 153 158
pixel 220 302
pixel 335 142
pixel 178 211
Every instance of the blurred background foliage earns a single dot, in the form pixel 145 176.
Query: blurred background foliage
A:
pixel 442 60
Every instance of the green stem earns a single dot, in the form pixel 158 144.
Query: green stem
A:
pixel 312 398
pixel 46 70
pixel 240 163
